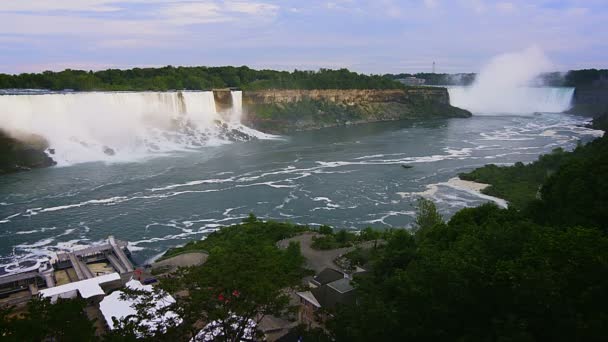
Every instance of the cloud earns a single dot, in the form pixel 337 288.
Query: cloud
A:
pixel 59 5
pixel 431 3
pixel 368 35
pixel 505 7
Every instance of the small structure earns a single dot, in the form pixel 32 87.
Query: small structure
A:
pixel 412 81
pixel 67 273
pixel 115 252
pixel 326 293
pixel 113 306
pixel 26 274
pixel 326 276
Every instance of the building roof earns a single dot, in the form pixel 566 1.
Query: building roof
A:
pixel 114 306
pixel 308 296
pixel 334 293
pixel 86 288
pixel 327 276
pixel 341 285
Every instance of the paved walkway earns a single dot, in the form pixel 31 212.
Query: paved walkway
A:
pixel 318 260
pixel 181 260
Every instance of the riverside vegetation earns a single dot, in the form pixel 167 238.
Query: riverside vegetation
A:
pixel 196 78
pixel 532 272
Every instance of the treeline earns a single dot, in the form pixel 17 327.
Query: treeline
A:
pixel 572 78
pixel 195 78
pixel 437 79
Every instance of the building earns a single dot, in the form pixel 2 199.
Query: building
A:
pixel 116 306
pixel 329 289
pixel 412 81
pixel 79 272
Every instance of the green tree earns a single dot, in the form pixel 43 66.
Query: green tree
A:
pixel 64 320
pixel 326 230
pixel 427 215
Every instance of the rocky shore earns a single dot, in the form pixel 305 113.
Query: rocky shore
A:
pixel 23 153
pixel 590 101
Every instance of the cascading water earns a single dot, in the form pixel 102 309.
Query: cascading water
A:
pixel 122 126
pixel 516 100
pixel 237 106
pixel 502 87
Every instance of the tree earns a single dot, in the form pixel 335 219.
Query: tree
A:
pixel 65 320
pixel 245 278
pixel 326 230
pixel 427 215
pixel 488 274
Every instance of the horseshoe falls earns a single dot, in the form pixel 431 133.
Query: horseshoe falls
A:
pixel 512 100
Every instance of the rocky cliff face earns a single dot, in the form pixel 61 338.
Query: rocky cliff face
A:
pixel 590 101
pixel 25 153
pixel 282 111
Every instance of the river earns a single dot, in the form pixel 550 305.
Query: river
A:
pixel 348 177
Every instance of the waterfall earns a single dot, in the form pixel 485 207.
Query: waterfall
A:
pixel 513 100
pixel 502 87
pixel 237 106
pixel 122 126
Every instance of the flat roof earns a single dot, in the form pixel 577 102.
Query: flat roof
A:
pixel 341 285
pixel 87 288
pixel 115 306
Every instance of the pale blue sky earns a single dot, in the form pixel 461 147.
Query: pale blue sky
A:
pixel 371 36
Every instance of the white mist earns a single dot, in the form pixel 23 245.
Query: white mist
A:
pixel 503 87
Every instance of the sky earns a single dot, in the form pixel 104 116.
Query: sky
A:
pixel 369 36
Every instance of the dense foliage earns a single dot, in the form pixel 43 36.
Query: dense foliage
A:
pixel 200 78
pixel 518 184
pixel 572 78
pixel 332 239
pixel 196 78
pixel 489 274
pixel 252 229
pixel 65 320
pixel 561 188
pixel 586 77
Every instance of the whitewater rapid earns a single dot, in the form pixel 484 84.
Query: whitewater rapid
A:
pixel 123 126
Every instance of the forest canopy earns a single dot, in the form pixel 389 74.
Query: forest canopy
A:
pixel 195 78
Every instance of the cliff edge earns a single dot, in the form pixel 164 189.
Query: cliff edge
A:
pixel 590 100
pixel 284 111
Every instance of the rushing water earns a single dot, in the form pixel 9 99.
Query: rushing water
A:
pixel 347 177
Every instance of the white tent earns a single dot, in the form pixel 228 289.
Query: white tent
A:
pixel 113 306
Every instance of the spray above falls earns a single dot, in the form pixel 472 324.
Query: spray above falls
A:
pixel 123 126
pixel 503 87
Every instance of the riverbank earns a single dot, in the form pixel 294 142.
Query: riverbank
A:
pixel 523 184
pixel 23 153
